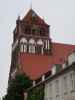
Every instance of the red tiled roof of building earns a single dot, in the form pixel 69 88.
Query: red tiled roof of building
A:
pixel 36 65
pixel 61 52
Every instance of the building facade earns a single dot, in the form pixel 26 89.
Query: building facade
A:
pixel 61 84
pixel 30 41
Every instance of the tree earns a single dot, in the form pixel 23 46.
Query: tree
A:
pixel 17 87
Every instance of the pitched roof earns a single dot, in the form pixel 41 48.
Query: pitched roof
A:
pixel 36 65
pixel 29 18
pixel 61 52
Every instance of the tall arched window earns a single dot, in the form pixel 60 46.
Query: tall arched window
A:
pixel 40 45
pixel 31 46
pixel 23 45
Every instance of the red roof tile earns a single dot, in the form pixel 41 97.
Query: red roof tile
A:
pixel 61 52
pixel 36 65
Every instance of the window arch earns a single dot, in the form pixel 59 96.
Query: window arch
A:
pixel 40 42
pixel 40 46
pixel 23 45
pixel 32 46
pixel 23 40
pixel 31 41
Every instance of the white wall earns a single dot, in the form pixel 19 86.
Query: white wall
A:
pixel 61 95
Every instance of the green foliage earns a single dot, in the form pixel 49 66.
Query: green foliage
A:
pixel 13 97
pixel 17 87
pixel 21 81
pixel 36 93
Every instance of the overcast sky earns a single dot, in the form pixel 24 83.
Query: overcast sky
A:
pixel 60 14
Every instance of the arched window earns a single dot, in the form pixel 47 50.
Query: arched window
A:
pixel 23 45
pixel 40 45
pixel 31 46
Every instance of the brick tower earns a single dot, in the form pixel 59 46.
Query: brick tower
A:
pixel 31 42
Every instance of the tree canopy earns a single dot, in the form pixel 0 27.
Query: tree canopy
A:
pixel 17 87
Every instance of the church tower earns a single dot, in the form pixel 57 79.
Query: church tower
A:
pixel 31 36
pixel 44 62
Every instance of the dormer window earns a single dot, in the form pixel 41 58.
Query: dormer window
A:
pixel 56 68
pixel 71 58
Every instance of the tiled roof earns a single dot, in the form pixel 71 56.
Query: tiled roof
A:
pixel 36 65
pixel 61 52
